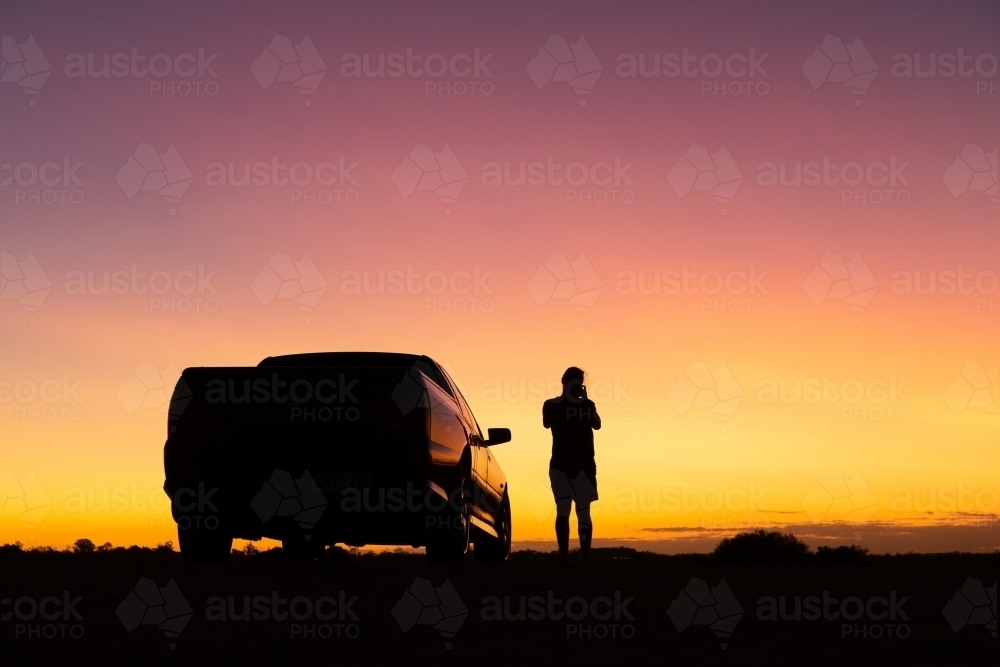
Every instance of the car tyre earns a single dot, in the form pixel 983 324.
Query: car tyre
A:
pixel 496 549
pixel 453 544
pixel 203 546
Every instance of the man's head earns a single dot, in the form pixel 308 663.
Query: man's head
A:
pixel 572 381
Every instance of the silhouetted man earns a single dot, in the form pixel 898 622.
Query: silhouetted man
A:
pixel 573 419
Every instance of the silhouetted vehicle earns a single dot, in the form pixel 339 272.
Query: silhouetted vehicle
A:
pixel 338 447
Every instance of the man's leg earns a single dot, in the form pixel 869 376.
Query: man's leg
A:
pixel 585 528
pixel 563 506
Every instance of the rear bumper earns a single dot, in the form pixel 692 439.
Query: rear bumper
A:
pixel 390 510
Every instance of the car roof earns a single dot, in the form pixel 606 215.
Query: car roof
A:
pixel 346 359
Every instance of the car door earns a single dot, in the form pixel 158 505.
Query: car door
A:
pixel 486 471
pixel 497 480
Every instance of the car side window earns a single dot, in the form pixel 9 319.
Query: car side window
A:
pixel 434 373
pixel 466 410
pixel 446 426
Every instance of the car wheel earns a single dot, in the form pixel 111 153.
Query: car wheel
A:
pixel 451 541
pixel 496 549
pixel 203 546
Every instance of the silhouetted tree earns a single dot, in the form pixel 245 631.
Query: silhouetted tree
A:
pixel 83 546
pixel 852 555
pixel 762 547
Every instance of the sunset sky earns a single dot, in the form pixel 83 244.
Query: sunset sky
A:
pixel 883 291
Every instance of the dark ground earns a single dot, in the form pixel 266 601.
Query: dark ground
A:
pixel 105 579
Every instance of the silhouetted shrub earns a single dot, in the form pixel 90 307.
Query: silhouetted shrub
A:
pixel 614 554
pixel 15 548
pixel 334 553
pixel 852 555
pixel 762 547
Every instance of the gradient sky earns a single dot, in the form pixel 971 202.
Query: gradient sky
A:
pixel 914 469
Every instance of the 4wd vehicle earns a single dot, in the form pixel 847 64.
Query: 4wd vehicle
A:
pixel 336 447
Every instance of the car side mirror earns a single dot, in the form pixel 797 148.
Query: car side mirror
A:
pixel 497 436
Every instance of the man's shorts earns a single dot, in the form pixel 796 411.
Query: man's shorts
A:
pixel 579 485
